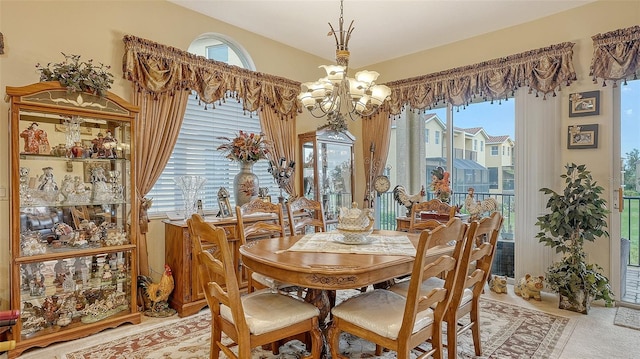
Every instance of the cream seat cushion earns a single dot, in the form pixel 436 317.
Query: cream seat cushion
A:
pixel 403 287
pixel 266 311
pixel 269 282
pixel 379 311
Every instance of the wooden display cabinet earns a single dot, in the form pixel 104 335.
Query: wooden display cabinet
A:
pixel 73 214
pixel 327 170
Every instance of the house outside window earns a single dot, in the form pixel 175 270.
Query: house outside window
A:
pixel 426 135
pixel 437 138
pixel 494 150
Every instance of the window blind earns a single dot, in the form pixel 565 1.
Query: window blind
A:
pixel 195 154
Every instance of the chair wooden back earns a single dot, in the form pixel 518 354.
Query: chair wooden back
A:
pixel 441 210
pixel 216 271
pixel 263 228
pixel 303 213
pixel 267 228
pixel 444 267
pixel 474 270
pixel 217 274
pixel 485 240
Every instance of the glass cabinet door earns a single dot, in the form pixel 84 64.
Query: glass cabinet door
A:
pixel 73 214
pixel 327 171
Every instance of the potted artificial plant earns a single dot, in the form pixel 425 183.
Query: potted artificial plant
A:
pixel 576 215
pixel 77 75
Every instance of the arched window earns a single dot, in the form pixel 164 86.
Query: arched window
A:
pixel 195 151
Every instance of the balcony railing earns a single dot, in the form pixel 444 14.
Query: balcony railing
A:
pixel 630 227
pixel 503 263
pixel 630 217
pixel 390 209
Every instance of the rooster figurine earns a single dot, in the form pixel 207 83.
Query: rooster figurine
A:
pixel 402 197
pixel 157 294
pixel 477 208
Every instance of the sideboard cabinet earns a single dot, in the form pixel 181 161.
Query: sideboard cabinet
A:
pixel 73 251
pixel 187 297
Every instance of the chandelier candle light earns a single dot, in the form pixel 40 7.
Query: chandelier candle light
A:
pixel 339 96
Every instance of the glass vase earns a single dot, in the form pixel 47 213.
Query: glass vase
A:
pixel 190 187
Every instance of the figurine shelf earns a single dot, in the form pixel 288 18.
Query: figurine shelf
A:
pixel 73 240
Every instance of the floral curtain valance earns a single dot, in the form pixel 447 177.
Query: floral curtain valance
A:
pixel 616 55
pixel 542 70
pixel 156 69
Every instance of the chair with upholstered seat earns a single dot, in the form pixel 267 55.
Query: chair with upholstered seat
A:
pixel 305 213
pixel 402 323
pixel 268 227
pixel 466 297
pixel 441 211
pixel 475 267
pixel 256 319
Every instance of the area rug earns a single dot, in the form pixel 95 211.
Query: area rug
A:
pixel 508 331
pixel 627 317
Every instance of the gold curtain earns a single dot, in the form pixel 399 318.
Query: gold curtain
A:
pixel 158 68
pixel 281 131
pixel 157 129
pixel 163 78
pixel 616 55
pixel 376 135
pixel 542 70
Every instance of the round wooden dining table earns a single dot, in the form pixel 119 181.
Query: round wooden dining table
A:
pixel 323 272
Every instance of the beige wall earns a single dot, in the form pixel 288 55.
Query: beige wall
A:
pixel 38 31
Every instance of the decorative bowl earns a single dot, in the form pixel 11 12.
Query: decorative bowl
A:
pixel 355 224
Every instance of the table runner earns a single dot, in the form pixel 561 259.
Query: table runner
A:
pixel 328 242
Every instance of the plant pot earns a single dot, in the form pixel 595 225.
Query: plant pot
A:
pixel 575 302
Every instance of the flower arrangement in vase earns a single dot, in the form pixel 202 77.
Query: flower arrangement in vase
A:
pixel 247 149
pixel 78 75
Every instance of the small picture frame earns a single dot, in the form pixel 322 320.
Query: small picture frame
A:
pixel 584 104
pixel 582 136
pixel 225 208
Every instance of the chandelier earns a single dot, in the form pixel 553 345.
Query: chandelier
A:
pixel 338 96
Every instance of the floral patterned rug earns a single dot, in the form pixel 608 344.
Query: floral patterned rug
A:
pixel 508 331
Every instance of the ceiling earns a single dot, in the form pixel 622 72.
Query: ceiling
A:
pixel 383 30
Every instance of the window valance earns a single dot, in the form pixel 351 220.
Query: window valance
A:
pixel 616 55
pixel 543 70
pixel 156 69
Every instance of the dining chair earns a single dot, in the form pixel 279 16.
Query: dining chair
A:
pixel 259 229
pixel 474 270
pixel 305 213
pixel 403 323
pixel 255 319
pixel 443 211
pixel 482 257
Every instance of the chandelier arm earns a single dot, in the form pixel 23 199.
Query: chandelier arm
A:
pixel 332 96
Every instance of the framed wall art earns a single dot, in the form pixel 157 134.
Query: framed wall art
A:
pixel 583 136
pixel 584 104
